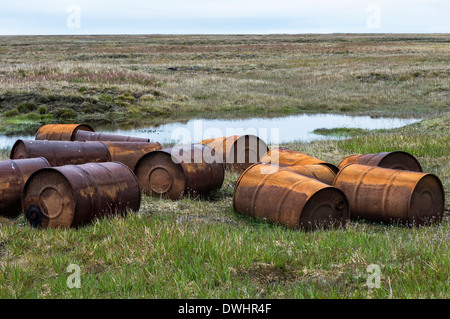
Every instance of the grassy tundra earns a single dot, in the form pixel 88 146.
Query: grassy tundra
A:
pixel 198 247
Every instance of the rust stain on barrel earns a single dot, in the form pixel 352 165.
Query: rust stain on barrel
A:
pixel 296 201
pixel 129 153
pixel 395 160
pixel 75 195
pixel 99 136
pixel 390 195
pixel 60 153
pixel 61 132
pixel 13 176
pixel 320 172
pixel 288 157
pixel 178 171
pixel 238 151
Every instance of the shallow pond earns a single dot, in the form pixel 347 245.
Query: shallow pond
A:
pixel 271 130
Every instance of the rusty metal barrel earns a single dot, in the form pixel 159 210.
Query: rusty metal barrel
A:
pixel 288 157
pixel 280 196
pixel 13 176
pixel 320 172
pixel 61 132
pixel 130 153
pixel 395 160
pixel 238 151
pixel 60 153
pixel 98 136
pixel 389 195
pixel 174 172
pixel 75 195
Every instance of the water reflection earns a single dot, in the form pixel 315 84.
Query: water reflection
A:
pixel 281 130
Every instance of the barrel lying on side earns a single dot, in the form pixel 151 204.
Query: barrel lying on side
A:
pixel 238 151
pixel 74 195
pixel 60 153
pixel 395 160
pixel 174 172
pixel 129 153
pixel 320 172
pixel 61 132
pixel 267 192
pixel 389 195
pixel 98 136
pixel 13 176
pixel 288 157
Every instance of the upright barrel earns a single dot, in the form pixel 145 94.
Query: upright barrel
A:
pixel 60 153
pixel 13 176
pixel 238 151
pixel 129 153
pixel 280 196
pixel 288 157
pixel 99 136
pixel 61 132
pixel 181 170
pixel 322 173
pixel 389 195
pixel 75 195
pixel 395 160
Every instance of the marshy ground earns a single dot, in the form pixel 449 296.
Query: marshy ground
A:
pixel 198 247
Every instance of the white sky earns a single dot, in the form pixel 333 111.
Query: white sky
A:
pixel 223 16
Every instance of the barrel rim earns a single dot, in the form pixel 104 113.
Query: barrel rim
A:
pixel 329 187
pixel 49 169
pixel 154 153
pixel 403 152
pixel 14 147
pixel 440 185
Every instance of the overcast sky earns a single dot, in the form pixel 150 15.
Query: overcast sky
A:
pixel 29 17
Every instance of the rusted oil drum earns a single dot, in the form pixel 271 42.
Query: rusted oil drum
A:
pixel 13 176
pixel 238 151
pixel 129 153
pixel 389 195
pixel 74 195
pixel 60 153
pixel 288 157
pixel 277 195
pixel 178 171
pixel 320 172
pixel 61 132
pixel 395 160
pixel 98 136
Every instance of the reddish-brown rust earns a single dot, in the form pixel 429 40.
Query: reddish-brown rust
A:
pixel 60 153
pixel 13 176
pixel 280 196
pixel 74 195
pixel 320 172
pixel 288 157
pixel 238 151
pixel 389 195
pixel 178 171
pixel 61 132
pixel 98 136
pixel 129 153
pixel 395 160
